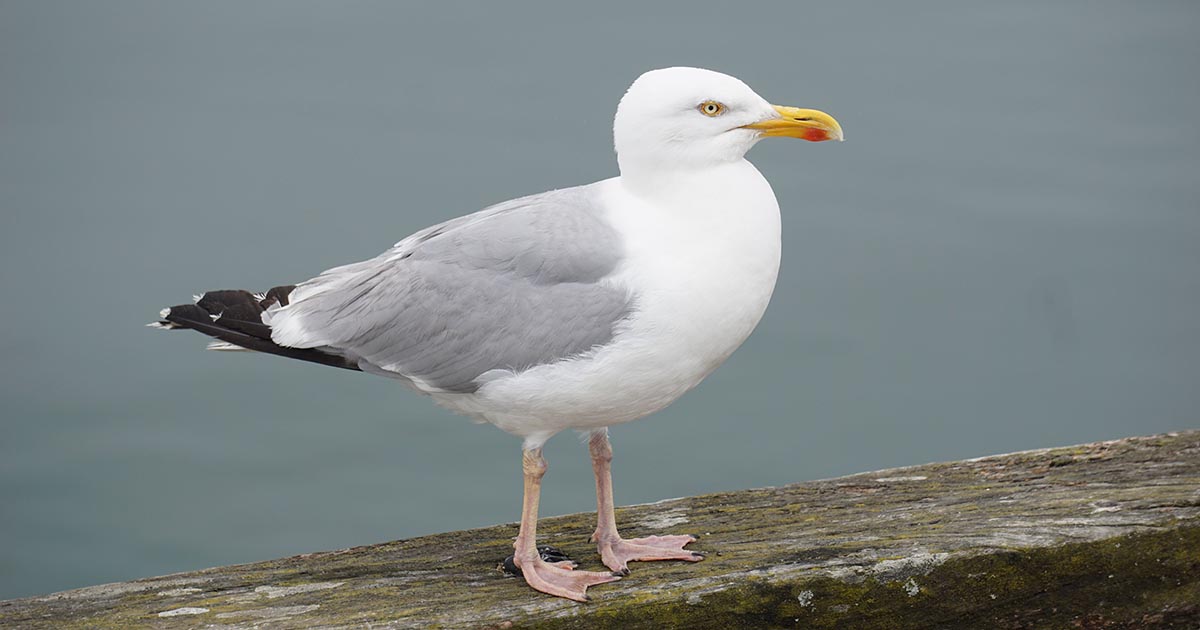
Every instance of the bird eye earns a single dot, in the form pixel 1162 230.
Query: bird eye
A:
pixel 711 108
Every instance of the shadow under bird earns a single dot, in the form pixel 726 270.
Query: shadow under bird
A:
pixel 579 308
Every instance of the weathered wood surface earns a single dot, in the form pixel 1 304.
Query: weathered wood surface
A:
pixel 1103 535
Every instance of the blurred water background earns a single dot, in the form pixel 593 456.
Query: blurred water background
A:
pixel 1004 255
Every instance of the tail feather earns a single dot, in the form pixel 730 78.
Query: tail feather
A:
pixel 235 317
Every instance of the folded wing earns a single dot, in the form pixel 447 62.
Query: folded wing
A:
pixel 517 285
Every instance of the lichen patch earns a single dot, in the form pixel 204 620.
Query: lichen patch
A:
pixel 274 592
pixel 270 613
pixel 663 520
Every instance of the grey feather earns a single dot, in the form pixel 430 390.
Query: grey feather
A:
pixel 511 287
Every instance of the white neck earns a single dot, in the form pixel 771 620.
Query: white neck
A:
pixel 655 180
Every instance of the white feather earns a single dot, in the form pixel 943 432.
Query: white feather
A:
pixel 223 346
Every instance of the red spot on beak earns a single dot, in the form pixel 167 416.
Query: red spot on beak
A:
pixel 815 135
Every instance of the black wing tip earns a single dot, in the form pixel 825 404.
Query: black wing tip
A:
pixel 168 318
pixel 235 317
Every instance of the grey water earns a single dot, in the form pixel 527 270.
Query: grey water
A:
pixel 1003 255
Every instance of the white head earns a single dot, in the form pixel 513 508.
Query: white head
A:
pixel 692 118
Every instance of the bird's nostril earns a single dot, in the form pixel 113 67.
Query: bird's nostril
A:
pixel 805 119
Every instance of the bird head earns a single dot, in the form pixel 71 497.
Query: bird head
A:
pixel 692 118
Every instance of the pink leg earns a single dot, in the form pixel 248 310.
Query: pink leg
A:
pixel 553 578
pixel 615 551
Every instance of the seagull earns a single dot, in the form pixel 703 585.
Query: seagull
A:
pixel 579 308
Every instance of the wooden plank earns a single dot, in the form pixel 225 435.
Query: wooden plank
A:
pixel 1103 535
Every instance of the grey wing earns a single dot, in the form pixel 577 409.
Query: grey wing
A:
pixel 517 285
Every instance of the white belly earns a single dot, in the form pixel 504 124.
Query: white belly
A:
pixel 701 266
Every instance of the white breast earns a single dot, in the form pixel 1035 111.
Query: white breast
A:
pixel 701 259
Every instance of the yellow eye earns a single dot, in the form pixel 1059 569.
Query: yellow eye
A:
pixel 711 108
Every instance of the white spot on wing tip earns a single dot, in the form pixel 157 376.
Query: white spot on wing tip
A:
pixel 217 316
pixel 164 313
pixel 161 325
pixel 196 297
pixel 224 346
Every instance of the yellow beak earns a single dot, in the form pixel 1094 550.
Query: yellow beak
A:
pixel 793 122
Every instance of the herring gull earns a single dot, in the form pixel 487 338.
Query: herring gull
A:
pixel 579 308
